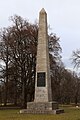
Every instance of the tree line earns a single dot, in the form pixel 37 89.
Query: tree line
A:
pixel 18 50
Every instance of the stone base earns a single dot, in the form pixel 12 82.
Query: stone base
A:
pixel 42 105
pixel 42 108
pixel 57 111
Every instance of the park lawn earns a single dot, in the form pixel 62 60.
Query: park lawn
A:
pixel 71 113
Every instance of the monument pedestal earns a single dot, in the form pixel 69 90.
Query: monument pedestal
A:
pixel 42 108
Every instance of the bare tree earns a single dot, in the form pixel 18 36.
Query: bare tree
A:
pixel 4 56
pixel 76 58
pixel 21 45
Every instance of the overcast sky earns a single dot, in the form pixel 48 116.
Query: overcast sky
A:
pixel 63 17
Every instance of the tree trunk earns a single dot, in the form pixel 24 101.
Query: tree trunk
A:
pixel 24 95
pixel 15 92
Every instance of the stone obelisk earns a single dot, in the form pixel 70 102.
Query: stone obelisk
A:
pixel 43 81
pixel 43 96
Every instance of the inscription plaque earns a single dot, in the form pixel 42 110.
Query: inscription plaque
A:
pixel 41 79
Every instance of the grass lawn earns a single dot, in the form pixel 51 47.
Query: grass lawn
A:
pixel 71 113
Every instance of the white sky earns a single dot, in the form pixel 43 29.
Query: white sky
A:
pixel 63 17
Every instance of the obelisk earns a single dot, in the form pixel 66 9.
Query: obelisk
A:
pixel 42 103
pixel 43 81
pixel 43 96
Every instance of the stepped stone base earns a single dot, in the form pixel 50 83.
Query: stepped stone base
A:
pixel 57 111
pixel 42 108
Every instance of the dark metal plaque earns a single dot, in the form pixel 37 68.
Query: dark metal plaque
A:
pixel 41 79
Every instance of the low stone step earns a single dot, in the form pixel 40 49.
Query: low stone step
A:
pixel 29 111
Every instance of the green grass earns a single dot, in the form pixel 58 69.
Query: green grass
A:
pixel 71 113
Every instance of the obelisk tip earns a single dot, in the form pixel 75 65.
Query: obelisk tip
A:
pixel 42 10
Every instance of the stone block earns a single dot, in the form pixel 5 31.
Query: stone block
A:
pixel 42 105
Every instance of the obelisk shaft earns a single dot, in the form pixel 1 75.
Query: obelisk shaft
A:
pixel 43 81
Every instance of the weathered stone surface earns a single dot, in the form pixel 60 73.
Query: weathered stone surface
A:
pixel 56 111
pixel 42 106
pixel 43 94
